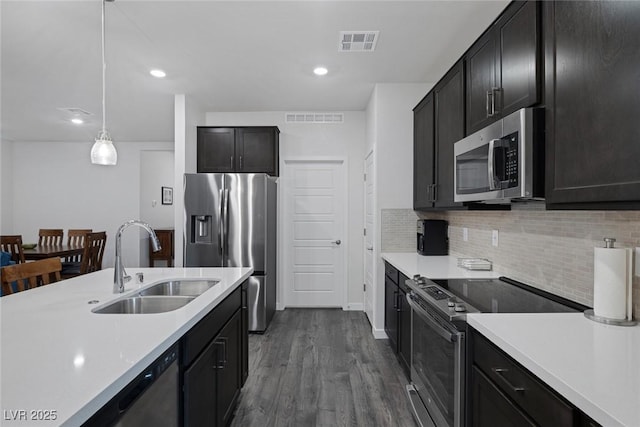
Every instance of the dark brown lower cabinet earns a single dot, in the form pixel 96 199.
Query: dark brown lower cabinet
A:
pixel 404 326
pixel 504 393
pixel 391 312
pixel 212 382
pixel 492 408
pixel 245 336
pixel 214 361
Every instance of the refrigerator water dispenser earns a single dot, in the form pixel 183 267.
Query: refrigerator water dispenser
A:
pixel 201 229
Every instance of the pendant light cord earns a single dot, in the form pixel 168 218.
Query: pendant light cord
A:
pixel 104 72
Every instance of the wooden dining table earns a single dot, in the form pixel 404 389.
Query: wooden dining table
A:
pixel 52 251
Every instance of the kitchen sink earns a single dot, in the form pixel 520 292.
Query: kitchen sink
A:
pixel 145 305
pixel 191 288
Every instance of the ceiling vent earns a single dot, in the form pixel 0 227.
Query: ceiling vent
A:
pixel 314 118
pixel 357 41
pixel 75 111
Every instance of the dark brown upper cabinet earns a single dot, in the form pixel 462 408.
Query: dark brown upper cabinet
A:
pixel 503 66
pixel 423 153
pixel 449 128
pixel 238 149
pixel 592 72
pixel 438 122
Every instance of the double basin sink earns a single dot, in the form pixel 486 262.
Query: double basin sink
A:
pixel 159 298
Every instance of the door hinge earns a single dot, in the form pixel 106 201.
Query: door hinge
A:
pixel 365 176
pixel 364 287
pixel 365 231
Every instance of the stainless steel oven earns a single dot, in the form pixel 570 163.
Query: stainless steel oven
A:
pixel 437 368
pixel 438 346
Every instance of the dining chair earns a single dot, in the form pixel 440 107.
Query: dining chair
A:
pixel 94 244
pixel 50 236
pixel 76 237
pixel 13 245
pixel 30 275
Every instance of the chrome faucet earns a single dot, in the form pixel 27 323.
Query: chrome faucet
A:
pixel 120 276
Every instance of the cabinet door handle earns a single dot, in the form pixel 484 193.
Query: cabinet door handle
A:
pixel 240 162
pixel 489 102
pixel 399 297
pixel 500 374
pixel 395 300
pixel 495 92
pixel 220 363
pixel 434 192
pixel 231 163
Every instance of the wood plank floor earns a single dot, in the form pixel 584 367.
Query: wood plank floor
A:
pixel 322 367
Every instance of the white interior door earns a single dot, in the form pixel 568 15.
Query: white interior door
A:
pixel 369 236
pixel 315 209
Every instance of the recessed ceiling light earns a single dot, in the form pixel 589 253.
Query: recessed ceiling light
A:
pixel 320 71
pixel 158 73
pixel 77 121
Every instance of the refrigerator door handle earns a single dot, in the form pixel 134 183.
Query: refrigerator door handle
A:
pixel 220 223
pixel 226 222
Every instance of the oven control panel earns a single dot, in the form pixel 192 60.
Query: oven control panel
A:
pixel 430 294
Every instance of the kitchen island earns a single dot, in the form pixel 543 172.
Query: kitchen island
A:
pixel 60 362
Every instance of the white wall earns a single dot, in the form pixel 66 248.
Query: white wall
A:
pixel 58 187
pixel 156 171
pixel 390 135
pixel 187 117
pixel 6 187
pixel 313 141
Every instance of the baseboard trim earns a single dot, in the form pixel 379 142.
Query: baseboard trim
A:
pixel 354 306
pixel 379 334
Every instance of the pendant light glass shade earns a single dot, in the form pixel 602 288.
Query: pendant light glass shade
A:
pixel 103 151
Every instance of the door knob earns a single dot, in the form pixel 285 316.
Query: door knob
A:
pixel 337 242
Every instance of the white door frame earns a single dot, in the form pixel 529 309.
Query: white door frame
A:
pixel 371 234
pixel 285 183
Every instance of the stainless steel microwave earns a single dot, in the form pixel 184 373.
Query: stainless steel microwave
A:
pixel 502 162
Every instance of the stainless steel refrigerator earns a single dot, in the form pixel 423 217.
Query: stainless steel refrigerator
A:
pixel 230 221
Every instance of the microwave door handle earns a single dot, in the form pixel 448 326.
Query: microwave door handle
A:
pixel 432 323
pixel 491 166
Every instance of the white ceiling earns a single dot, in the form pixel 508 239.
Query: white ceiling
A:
pixel 227 55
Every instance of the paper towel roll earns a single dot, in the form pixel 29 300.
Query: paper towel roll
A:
pixel 611 282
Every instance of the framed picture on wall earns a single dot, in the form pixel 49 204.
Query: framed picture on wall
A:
pixel 167 195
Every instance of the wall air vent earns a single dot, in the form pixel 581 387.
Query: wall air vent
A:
pixel 314 118
pixel 75 111
pixel 357 41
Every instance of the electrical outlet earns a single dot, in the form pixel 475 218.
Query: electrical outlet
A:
pixel 494 238
pixel 465 234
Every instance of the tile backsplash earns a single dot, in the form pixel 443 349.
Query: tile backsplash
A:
pixel 398 230
pixel 551 250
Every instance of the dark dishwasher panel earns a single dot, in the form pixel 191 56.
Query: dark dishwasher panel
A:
pixel 150 399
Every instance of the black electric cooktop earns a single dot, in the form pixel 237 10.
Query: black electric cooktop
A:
pixel 454 298
pixel 505 295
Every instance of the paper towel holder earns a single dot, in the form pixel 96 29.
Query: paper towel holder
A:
pixel 590 314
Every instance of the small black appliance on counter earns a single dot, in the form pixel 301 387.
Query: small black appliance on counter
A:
pixel 432 237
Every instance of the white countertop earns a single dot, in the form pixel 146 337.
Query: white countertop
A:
pixel 433 267
pixel 57 355
pixel 594 366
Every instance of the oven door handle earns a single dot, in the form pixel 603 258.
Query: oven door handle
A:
pixel 424 315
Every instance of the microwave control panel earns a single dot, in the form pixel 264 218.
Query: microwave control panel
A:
pixel 511 161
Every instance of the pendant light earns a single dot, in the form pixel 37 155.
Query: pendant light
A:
pixel 103 151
